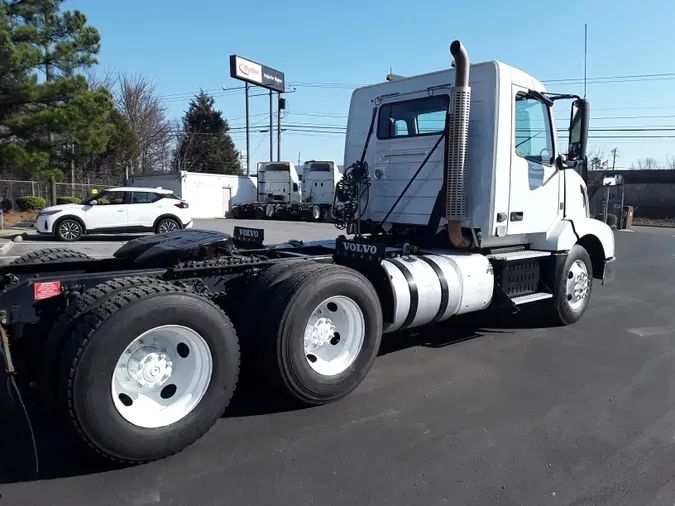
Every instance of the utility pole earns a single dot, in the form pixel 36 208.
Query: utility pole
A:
pixel 585 55
pixel 248 136
pixel 271 129
pixel 614 152
pixel 281 105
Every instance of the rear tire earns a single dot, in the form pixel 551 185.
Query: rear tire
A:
pixel 50 255
pixel 90 372
pixel 167 225
pixel 69 230
pixel 71 317
pixel 322 300
pixel 236 213
pixel 574 288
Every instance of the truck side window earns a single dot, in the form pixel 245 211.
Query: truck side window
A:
pixel 295 187
pixel 534 140
pixel 412 118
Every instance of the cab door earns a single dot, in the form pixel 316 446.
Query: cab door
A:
pixel 535 199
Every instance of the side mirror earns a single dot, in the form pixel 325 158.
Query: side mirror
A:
pixel 578 135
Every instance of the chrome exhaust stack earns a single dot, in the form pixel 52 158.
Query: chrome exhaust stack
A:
pixel 458 137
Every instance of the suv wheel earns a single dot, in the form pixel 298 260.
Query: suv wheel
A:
pixel 69 230
pixel 167 225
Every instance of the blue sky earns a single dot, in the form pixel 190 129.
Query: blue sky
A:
pixel 328 48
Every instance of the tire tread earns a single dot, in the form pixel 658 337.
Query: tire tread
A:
pixel 278 309
pixel 49 255
pixel 81 336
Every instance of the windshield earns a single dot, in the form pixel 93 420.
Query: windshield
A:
pixel 320 167
pixel 280 167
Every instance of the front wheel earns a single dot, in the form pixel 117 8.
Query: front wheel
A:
pixel 574 287
pixel 321 332
pixel 69 230
pixel 148 372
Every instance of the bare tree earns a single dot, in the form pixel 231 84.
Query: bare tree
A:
pixel 670 163
pixel 596 152
pixel 138 102
pixel 105 78
pixel 647 163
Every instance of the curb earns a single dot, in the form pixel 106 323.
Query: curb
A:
pixel 5 246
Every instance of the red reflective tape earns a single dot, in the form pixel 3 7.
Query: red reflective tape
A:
pixel 47 290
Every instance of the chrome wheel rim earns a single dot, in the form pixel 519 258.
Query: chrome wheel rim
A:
pixel 578 284
pixel 69 230
pixel 334 335
pixel 161 376
pixel 168 226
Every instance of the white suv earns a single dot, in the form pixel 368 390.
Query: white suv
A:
pixel 117 210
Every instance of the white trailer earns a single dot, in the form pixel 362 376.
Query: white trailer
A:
pixel 458 199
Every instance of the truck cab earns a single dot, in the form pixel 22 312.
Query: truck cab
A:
pixel 318 182
pixel 278 183
pixel 513 186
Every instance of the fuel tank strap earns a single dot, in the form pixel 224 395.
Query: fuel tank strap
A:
pixel 445 293
pixel 414 294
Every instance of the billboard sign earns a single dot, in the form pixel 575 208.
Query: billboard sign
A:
pixel 255 73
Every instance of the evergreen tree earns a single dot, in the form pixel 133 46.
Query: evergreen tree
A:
pixel 40 119
pixel 204 144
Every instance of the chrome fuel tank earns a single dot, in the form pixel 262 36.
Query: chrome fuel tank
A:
pixel 430 288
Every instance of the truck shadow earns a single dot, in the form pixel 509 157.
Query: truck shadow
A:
pixel 253 397
pixel 58 460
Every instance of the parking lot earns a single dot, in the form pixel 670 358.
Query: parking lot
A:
pixel 475 411
pixel 104 245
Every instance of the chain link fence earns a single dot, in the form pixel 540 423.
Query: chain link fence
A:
pixel 10 190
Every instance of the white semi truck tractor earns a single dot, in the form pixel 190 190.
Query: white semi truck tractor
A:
pixel 319 180
pixel 278 192
pixel 456 198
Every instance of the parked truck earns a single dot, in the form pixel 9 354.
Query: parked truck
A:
pixel 139 354
pixel 278 194
pixel 319 181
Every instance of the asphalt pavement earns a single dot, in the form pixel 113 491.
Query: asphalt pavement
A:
pixel 100 246
pixel 475 411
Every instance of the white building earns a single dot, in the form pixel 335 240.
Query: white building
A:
pixel 209 195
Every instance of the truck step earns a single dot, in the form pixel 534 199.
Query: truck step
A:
pixel 514 256
pixel 531 297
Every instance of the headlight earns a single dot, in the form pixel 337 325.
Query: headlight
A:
pixel 48 213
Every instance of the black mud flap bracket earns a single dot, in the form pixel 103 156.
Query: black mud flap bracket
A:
pixel 248 238
pixel 358 251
